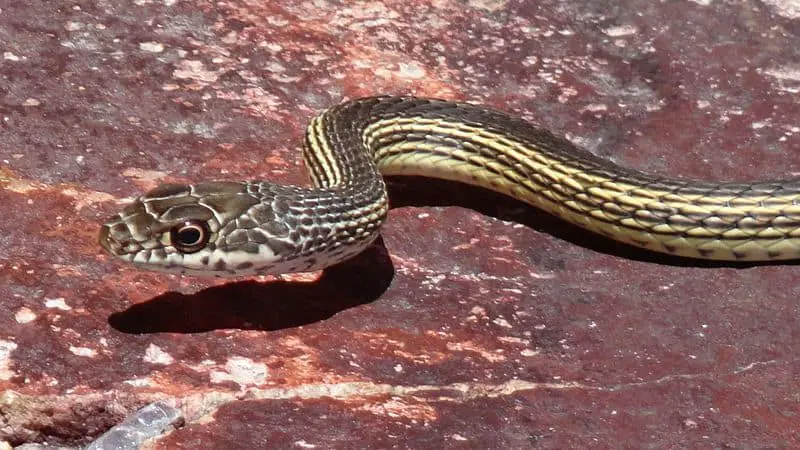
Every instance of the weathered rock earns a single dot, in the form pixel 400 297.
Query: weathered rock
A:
pixel 478 322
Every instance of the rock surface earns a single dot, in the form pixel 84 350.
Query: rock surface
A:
pixel 476 322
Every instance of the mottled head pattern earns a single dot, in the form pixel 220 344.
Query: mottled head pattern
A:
pixel 226 228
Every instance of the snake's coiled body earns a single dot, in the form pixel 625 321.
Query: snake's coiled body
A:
pixel 260 227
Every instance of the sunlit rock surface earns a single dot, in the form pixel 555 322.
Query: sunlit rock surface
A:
pixel 477 322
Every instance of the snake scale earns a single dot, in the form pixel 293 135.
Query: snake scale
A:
pixel 231 228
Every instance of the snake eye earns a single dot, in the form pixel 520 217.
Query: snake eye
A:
pixel 190 236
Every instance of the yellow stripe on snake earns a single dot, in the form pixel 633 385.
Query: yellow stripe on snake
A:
pixel 234 228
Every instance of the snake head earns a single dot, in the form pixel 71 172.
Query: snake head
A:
pixel 215 228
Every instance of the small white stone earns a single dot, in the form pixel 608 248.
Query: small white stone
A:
pixel 622 30
pixel 155 355
pixel 73 26
pixel 83 351
pixel 57 303
pixel 24 315
pixel 152 47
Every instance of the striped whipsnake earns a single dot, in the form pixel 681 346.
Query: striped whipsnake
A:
pixel 241 228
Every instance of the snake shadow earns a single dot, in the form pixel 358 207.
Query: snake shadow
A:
pixel 266 306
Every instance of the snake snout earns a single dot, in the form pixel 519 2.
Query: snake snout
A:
pixel 115 236
pixel 102 238
pixel 111 239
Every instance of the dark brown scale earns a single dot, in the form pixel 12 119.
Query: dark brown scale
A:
pixel 704 253
pixel 246 222
pixel 249 247
pixel 667 247
pixel 168 190
pixel 253 188
pixel 121 229
pixel 262 213
pixel 244 265
pixel 257 236
pixel 133 209
pixel 187 212
pixel 237 237
pixel 266 268
pixel 650 216
pixel 224 188
pixel 275 228
pixel 160 205
pixel 748 224
pixel 230 205
pixel 739 255
pixel 280 247
pixel 680 220
pixel 774 254
pixel 719 223
pixel 281 205
pixel 308 247
pixel 613 208
pixel 768 188
pixel 228 228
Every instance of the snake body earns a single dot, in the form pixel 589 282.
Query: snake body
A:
pixel 242 228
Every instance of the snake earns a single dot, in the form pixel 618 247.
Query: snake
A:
pixel 239 228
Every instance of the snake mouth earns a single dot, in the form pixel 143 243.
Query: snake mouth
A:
pixel 103 240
